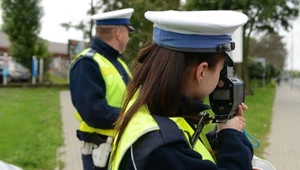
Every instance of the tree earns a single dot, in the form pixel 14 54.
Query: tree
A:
pixel 87 26
pixel 41 51
pixel 143 28
pixel 271 48
pixel 21 22
pixel 272 72
pixel 255 70
pixel 264 16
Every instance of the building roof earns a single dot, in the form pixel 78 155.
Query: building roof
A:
pixel 54 47
pixel 59 48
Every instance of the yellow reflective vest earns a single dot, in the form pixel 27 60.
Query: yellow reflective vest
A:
pixel 142 123
pixel 115 89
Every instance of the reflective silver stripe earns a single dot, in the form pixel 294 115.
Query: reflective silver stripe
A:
pixel 132 157
pixel 89 54
pixel 144 132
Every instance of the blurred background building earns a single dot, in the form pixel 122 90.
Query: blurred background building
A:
pixel 61 53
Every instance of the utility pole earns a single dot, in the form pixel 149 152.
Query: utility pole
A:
pixel 292 57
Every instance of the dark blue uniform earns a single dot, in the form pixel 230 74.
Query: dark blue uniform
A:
pixel 88 89
pixel 233 149
pixel 234 153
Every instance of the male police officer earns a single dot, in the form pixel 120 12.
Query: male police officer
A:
pixel 98 79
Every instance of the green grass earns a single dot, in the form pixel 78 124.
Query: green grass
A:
pixel 258 116
pixel 57 80
pixel 31 128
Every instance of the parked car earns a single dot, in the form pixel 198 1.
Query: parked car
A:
pixel 16 71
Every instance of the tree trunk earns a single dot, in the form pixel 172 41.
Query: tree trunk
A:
pixel 91 22
pixel 245 72
pixel 238 69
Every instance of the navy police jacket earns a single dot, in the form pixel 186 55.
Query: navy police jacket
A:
pixel 232 148
pixel 87 87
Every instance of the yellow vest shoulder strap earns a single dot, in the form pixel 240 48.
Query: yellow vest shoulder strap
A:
pixel 115 87
pixel 143 123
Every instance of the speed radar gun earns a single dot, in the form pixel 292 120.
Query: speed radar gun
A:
pixel 228 94
pixel 226 97
pixel 224 101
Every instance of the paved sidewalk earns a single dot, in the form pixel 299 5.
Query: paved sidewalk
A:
pixel 284 149
pixel 71 150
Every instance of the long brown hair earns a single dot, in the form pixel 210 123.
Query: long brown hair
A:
pixel 160 78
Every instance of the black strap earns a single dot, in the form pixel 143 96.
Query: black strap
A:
pixel 91 137
pixel 169 129
pixel 168 133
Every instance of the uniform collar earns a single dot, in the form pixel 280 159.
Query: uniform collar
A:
pixel 104 49
pixel 190 107
pixel 187 107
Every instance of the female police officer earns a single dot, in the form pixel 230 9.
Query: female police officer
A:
pixel 177 71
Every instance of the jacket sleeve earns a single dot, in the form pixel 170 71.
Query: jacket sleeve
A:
pixel 235 150
pixel 87 89
pixel 235 153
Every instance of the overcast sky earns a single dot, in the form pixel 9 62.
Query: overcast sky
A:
pixel 60 11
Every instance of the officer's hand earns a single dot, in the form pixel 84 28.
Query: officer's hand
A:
pixel 241 109
pixel 237 122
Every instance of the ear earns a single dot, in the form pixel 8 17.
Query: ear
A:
pixel 201 71
pixel 119 34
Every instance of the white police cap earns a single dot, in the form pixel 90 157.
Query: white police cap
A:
pixel 117 17
pixel 195 31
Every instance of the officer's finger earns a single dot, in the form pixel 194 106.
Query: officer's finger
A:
pixel 240 111
pixel 244 107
